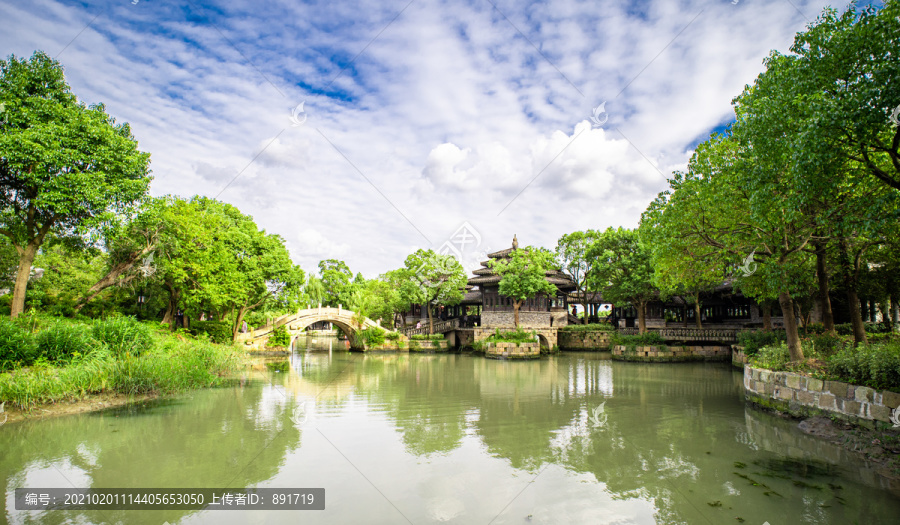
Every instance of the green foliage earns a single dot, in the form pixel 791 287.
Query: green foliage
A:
pixel 876 366
pixel 123 335
pixel 871 328
pixel 392 336
pixel 432 279
pixel 815 328
pixel 825 345
pixel 754 340
pixel 513 336
pixel 647 339
pixel 593 327
pixel 335 280
pixel 572 251
pixel 775 357
pixel 218 331
pixel 170 366
pixel 63 340
pixel 68 168
pixel 279 337
pixel 622 270
pixel 372 336
pixel 17 347
pixel 426 337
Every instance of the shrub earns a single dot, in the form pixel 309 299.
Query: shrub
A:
pixel 17 347
pixel 870 328
pixel 876 366
pixel 844 329
pixel 123 335
pixel 648 339
pixel 392 336
pixel 218 331
pixel 775 357
pixel 515 336
pixel 279 337
pixel 815 328
pixel 752 341
pixel 593 327
pixel 826 344
pixel 372 336
pixel 426 337
pixel 62 341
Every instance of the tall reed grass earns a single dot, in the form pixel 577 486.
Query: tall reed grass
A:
pixel 116 355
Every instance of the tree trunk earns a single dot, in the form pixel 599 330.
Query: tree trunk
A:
pixel 697 311
pixel 642 317
pixel 172 307
pixel 884 307
pixel 824 299
pixel 895 312
pixel 430 319
pixel 859 329
pixel 23 273
pixel 584 304
pixel 112 277
pixel 767 315
pixel 850 273
pixel 517 304
pixel 790 327
pixel 236 328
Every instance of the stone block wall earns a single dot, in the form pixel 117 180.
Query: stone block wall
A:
pixel 804 396
pixel 513 350
pixel 583 340
pixel 550 334
pixel 428 346
pixel 508 320
pixel 671 354
pixel 738 357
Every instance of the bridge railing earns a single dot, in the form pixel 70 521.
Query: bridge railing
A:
pixel 439 328
pixel 723 335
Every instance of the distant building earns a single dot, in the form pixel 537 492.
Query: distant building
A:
pixel 541 311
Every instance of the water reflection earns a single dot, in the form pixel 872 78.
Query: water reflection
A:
pixel 460 439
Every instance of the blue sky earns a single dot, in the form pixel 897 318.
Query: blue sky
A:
pixel 419 115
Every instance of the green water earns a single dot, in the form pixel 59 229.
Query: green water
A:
pixel 458 439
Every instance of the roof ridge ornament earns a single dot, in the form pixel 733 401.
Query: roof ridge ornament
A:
pixel 515 244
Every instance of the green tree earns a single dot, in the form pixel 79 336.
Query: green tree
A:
pixel 848 82
pixel 129 244
pixel 682 266
pixel 433 279
pixel 622 270
pixel 523 275
pixel 65 168
pixel 571 251
pixel 336 277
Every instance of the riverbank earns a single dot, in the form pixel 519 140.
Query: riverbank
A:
pixel 55 362
pixel 90 403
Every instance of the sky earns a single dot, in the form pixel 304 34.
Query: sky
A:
pixel 363 131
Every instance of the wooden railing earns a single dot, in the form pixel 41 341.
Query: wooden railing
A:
pixel 439 328
pixel 690 334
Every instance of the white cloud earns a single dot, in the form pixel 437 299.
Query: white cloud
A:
pixel 444 117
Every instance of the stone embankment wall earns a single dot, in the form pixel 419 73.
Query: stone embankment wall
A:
pixel 803 396
pixel 583 340
pixel 513 350
pixel 428 346
pixel 738 357
pixel 671 354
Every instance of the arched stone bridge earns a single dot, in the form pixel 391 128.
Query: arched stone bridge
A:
pixel 296 323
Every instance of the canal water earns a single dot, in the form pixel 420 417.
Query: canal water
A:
pixel 458 439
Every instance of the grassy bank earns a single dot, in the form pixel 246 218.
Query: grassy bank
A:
pixel 45 360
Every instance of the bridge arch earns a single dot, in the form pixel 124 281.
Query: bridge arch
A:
pixel 296 323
